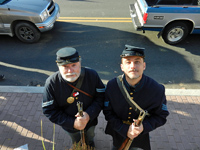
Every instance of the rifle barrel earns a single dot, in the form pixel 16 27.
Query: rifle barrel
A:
pixel 80 111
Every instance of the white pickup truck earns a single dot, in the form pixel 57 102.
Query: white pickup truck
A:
pixel 173 19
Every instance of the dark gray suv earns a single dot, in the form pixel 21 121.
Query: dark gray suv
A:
pixel 27 18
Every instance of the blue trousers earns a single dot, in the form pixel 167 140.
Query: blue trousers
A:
pixel 89 136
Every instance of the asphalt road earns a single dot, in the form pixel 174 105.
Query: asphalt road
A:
pixel 99 29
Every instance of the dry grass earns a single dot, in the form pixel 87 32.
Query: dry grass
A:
pixel 78 146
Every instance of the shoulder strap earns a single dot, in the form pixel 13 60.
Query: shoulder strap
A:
pixel 126 95
pixel 80 81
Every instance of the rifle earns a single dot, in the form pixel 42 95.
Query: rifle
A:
pixel 80 111
pixel 127 142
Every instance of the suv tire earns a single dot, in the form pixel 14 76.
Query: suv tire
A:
pixel 26 32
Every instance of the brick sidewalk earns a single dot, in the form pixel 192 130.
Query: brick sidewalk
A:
pixel 21 114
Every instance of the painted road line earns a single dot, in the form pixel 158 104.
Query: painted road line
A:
pixel 93 19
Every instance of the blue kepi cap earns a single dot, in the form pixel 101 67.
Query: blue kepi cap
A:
pixel 67 55
pixel 132 51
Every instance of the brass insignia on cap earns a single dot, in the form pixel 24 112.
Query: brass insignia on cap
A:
pixel 70 100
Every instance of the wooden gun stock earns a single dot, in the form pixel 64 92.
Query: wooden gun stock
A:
pixel 127 142
pixel 80 111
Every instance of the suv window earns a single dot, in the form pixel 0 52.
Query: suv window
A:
pixel 4 1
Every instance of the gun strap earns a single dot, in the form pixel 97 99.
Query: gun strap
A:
pixel 126 95
pixel 79 83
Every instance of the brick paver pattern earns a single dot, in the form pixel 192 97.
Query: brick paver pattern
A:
pixel 21 115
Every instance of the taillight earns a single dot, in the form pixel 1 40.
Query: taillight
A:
pixel 145 17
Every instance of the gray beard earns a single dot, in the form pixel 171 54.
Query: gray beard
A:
pixel 70 79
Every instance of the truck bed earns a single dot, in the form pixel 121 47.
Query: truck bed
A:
pixel 172 2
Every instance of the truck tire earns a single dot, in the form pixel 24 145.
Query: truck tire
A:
pixel 26 32
pixel 175 33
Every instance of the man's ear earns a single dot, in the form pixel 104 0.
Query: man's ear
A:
pixel 122 67
pixel 144 66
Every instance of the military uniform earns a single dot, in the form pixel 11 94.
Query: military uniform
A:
pixel 149 95
pixel 60 101
pixel 61 112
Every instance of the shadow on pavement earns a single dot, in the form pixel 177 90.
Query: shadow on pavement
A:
pixel 99 47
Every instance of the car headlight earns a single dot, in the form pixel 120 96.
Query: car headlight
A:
pixel 44 15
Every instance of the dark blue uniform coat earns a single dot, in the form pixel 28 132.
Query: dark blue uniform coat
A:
pixel 149 95
pixel 59 111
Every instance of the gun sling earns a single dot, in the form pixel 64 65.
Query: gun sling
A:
pixel 79 83
pixel 126 95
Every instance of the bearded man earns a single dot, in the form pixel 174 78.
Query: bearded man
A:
pixel 72 84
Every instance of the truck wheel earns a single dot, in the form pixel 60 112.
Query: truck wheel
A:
pixel 175 33
pixel 27 32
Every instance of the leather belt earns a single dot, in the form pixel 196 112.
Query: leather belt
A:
pixel 127 122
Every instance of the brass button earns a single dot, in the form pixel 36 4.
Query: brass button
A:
pixel 131 93
pixel 129 117
pixel 76 98
pixel 131 97
pixel 130 108
pixel 129 113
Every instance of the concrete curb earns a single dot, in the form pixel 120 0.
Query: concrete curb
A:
pixel 33 89
pixel 21 89
pixel 183 92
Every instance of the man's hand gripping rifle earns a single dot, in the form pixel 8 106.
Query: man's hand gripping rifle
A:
pixel 80 111
pixel 127 142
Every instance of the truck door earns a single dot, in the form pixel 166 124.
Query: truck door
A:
pixel 1 25
pixel 1 22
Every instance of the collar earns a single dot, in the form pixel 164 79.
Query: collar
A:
pixel 136 87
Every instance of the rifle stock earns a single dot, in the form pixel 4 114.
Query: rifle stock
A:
pixel 124 144
pixel 127 142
